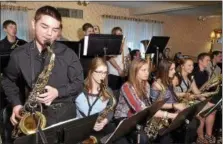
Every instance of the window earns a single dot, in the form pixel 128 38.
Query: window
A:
pixel 134 31
pixel 21 19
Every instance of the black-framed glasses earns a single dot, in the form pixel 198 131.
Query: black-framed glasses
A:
pixel 101 72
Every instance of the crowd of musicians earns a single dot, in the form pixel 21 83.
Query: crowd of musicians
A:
pixel 126 83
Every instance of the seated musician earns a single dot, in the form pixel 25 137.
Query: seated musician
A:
pixel 186 82
pixel 95 98
pixel 135 54
pixel 163 83
pixel 187 91
pixel 201 76
pixel 135 96
pixel 116 65
pixel 85 60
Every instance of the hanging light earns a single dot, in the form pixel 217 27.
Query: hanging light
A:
pixel 83 3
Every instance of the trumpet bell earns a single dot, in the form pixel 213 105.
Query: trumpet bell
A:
pixel 28 124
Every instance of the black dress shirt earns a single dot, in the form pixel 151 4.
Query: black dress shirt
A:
pixel 200 77
pixel 6 48
pixel 66 76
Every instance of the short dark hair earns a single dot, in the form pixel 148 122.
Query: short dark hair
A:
pixel 48 10
pixel 87 26
pixel 201 56
pixel 7 22
pixel 116 29
pixel 133 53
pixel 215 53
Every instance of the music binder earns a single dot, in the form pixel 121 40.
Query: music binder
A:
pixel 128 124
pixel 157 41
pixel 156 46
pixel 184 116
pixel 102 44
pixel 68 132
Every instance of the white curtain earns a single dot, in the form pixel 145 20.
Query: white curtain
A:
pixel 21 19
pixel 134 31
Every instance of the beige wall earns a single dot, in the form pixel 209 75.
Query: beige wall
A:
pixel 188 35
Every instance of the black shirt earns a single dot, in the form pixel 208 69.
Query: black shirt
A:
pixel 66 76
pixel 200 77
pixel 6 48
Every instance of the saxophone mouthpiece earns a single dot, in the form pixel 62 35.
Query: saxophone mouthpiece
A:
pixel 47 43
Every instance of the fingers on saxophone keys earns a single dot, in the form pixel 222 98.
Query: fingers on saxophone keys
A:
pixel 13 119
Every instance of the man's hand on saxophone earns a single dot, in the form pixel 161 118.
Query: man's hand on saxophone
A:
pixel 47 97
pixel 16 114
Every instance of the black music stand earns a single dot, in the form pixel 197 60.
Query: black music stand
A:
pixel 102 45
pixel 74 45
pixel 184 116
pixel 68 132
pixel 157 45
pixel 128 124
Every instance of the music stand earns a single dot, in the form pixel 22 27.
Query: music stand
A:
pixel 184 116
pixel 157 45
pixel 74 45
pixel 70 131
pixel 128 124
pixel 102 44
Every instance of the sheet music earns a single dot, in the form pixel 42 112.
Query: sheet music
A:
pixel 60 123
pixel 86 39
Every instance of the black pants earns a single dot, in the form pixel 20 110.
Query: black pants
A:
pixel 59 112
pixel 133 137
pixel 191 131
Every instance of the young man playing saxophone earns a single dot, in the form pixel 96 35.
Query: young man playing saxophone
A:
pixel 27 62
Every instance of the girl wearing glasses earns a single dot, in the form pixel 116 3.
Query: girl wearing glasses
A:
pixel 94 99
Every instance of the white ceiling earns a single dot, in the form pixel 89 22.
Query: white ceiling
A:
pixel 199 8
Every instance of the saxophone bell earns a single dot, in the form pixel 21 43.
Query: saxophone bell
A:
pixel 32 119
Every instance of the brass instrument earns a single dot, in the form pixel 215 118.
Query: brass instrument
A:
pixel 186 98
pixel 103 114
pixel 156 123
pixel 28 123
pixel 148 57
pixel 215 80
pixel 126 61
pixel 208 94
pixel 126 65
pixel 15 45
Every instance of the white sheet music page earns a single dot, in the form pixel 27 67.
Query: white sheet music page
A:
pixel 86 38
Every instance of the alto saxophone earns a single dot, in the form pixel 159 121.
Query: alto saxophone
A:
pixel 15 45
pixel 215 80
pixel 103 114
pixel 155 124
pixel 28 123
